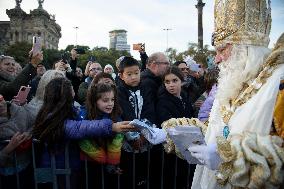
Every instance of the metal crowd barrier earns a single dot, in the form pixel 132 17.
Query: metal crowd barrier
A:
pixel 49 175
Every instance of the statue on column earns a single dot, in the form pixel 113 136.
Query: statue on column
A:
pixel 18 3
pixel 40 2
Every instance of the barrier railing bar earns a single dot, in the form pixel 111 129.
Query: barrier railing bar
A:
pixel 86 173
pixel 162 169
pixel 133 171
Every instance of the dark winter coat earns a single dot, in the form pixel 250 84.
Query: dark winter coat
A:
pixel 131 100
pixel 170 106
pixel 150 83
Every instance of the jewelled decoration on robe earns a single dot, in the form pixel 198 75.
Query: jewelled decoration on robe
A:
pixel 226 131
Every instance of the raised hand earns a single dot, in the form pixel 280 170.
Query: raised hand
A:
pixel 36 59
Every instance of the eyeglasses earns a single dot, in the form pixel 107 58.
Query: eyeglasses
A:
pixel 165 63
pixel 183 69
pixel 94 69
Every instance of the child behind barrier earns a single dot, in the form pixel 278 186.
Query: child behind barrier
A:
pixel 56 125
pixel 102 104
pixel 131 98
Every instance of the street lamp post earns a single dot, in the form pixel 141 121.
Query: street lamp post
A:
pixel 76 28
pixel 167 30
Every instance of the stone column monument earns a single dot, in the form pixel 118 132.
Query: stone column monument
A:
pixel 199 7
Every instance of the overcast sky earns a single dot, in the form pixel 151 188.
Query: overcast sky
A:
pixel 144 21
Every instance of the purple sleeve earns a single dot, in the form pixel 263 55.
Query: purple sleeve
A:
pixel 87 128
pixel 205 109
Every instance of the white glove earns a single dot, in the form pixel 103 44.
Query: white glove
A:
pixel 206 154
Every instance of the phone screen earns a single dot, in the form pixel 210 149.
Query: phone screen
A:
pixel 36 45
pixel 137 47
pixel 23 94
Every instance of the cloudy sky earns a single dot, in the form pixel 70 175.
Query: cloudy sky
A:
pixel 144 21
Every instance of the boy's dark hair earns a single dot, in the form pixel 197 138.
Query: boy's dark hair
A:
pixel 173 70
pixel 57 107
pixel 94 94
pixel 127 62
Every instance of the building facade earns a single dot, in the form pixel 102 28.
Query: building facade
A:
pixel 22 27
pixel 118 40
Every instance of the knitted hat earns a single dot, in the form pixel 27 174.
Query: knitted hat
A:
pixel 108 66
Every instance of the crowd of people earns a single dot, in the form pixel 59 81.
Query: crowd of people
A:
pixel 88 109
pixel 241 99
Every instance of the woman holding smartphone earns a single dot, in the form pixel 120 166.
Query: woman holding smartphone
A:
pixel 9 84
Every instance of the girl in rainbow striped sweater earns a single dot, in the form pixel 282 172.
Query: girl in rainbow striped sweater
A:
pixel 101 152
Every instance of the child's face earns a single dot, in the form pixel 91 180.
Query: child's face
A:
pixel 173 84
pixel 131 76
pixel 106 102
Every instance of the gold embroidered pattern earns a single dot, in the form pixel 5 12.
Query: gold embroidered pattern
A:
pixel 169 145
pixel 242 22
pixel 250 161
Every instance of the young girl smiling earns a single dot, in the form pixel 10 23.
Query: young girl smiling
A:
pixel 102 104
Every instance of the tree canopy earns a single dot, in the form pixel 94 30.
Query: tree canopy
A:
pixel 102 55
pixel 193 51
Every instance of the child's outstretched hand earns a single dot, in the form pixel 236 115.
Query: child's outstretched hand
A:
pixel 122 126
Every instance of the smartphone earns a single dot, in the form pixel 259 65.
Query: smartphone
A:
pixel 36 45
pixel 64 58
pixel 139 47
pixel 22 94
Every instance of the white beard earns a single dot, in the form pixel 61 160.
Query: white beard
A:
pixel 241 67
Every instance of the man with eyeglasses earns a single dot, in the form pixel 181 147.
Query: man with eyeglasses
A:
pixel 94 69
pixel 151 78
pixel 151 81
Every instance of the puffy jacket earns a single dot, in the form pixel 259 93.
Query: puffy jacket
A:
pixel 75 130
pixel 205 109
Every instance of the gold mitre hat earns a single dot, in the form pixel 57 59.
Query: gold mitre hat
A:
pixel 242 22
